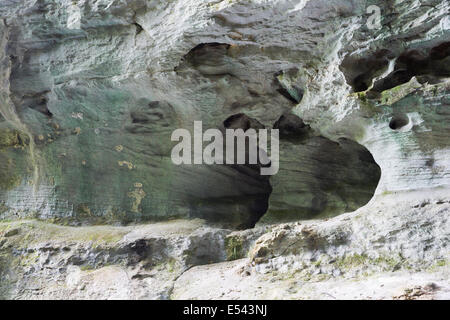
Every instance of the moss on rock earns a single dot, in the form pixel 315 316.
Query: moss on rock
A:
pixel 234 247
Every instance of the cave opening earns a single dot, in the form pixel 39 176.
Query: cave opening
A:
pixel 235 195
pixel 318 179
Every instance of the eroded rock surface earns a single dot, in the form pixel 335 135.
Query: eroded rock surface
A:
pixel 378 252
pixel 90 92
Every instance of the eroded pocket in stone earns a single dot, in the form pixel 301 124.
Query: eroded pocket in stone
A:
pixel 399 121
pixel 318 178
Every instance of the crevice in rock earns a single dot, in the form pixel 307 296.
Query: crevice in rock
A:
pixel 289 89
pixel 287 95
pixel 139 28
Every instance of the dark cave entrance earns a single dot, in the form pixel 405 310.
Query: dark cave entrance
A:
pixel 318 178
pixel 234 195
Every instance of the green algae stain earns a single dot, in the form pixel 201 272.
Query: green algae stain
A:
pixel 234 248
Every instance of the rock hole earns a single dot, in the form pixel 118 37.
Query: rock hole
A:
pixel 291 127
pixel 360 71
pixel 318 178
pixel 399 121
pixel 210 59
pixel 430 64
pixel 242 121
pixel 238 196
pixel 39 103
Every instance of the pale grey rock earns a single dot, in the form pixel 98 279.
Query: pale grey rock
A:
pixel 90 92
pixel 377 252
pixel 95 88
pixel 372 253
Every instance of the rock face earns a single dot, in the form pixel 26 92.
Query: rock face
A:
pixel 370 253
pixel 91 95
pixel 91 91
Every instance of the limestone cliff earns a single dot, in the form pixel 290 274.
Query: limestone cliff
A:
pixel 91 91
